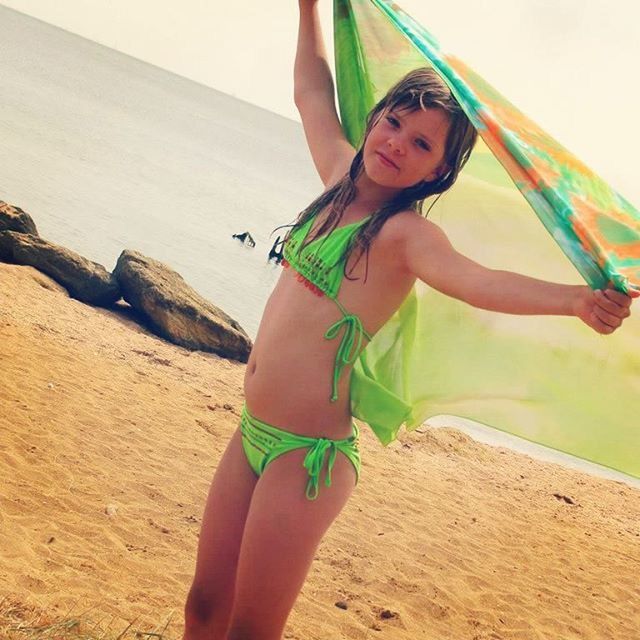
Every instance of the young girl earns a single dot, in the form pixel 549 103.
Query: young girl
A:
pixel 352 257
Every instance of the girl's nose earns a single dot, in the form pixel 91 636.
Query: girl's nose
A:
pixel 395 145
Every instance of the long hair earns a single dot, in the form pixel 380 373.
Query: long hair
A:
pixel 419 89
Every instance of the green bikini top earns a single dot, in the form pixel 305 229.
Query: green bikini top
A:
pixel 321 262
pixel 320 266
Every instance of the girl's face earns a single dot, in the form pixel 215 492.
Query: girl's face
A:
pixel 406 147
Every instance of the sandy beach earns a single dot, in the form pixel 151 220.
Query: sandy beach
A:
pixel 110 436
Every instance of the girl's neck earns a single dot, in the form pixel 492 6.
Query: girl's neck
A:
pixel 371 196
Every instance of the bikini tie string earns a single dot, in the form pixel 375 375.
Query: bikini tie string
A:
pixel 349 346
pixel 314 461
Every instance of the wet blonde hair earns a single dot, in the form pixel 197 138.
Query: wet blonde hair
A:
pixel 420 89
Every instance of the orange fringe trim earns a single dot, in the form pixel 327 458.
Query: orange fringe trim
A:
pixel 307 283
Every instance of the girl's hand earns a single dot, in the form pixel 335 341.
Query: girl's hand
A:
pixel 603 311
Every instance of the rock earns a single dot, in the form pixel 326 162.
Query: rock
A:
pixel 15 219
pixel 276 252
pixel 176 311
pixel 111 510
pixel 387 614
pixel 44 280
pixel 86 281
pixel 245 238
pixel 342 604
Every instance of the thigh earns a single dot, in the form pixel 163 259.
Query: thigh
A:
pixel 281 535
pixel 223 525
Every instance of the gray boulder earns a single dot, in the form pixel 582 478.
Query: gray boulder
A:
pixel 176 311
pixel 15 219
pixel 84 280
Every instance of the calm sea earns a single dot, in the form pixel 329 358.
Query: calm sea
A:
pixel 109 153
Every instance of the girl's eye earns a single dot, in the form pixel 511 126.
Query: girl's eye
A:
pixel 393 122
pixel 423 145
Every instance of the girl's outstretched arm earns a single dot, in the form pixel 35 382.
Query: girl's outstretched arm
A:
pixel 314 96
pixel 430 256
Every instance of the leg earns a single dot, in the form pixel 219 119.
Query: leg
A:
pixel 282 533
pixel 208 607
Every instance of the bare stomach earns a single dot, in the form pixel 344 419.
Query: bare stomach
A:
pixel 289 376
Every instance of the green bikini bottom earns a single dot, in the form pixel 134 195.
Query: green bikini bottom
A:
pixel 263 443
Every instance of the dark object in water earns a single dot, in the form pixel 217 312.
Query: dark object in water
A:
pixel 276 251
pixel 245 238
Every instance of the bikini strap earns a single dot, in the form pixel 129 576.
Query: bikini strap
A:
pixel 350 345
pixel 314 461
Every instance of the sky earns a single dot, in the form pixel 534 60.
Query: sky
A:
pixel 571 65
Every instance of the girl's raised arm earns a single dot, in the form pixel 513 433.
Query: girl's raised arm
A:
pixel 314 96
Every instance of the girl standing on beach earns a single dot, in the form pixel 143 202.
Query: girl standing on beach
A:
pixel 351 258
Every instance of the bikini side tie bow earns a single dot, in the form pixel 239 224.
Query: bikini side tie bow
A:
pixel 314 461
pixel 350 345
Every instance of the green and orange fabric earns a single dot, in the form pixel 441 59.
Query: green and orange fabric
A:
pixel 551 380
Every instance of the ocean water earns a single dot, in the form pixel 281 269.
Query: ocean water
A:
pixel 110 153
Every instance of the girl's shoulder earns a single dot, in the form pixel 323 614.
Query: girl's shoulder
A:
pixel 408 234
pixel 406 224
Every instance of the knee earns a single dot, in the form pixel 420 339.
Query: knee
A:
pixel 242 632
pixel 205 611
pixel 255 630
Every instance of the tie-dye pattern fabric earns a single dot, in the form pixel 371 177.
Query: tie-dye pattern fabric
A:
pixel 551 380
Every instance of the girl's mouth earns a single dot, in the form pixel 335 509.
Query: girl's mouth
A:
pixel 387 162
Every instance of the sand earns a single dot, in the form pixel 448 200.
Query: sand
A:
pixel 110 436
